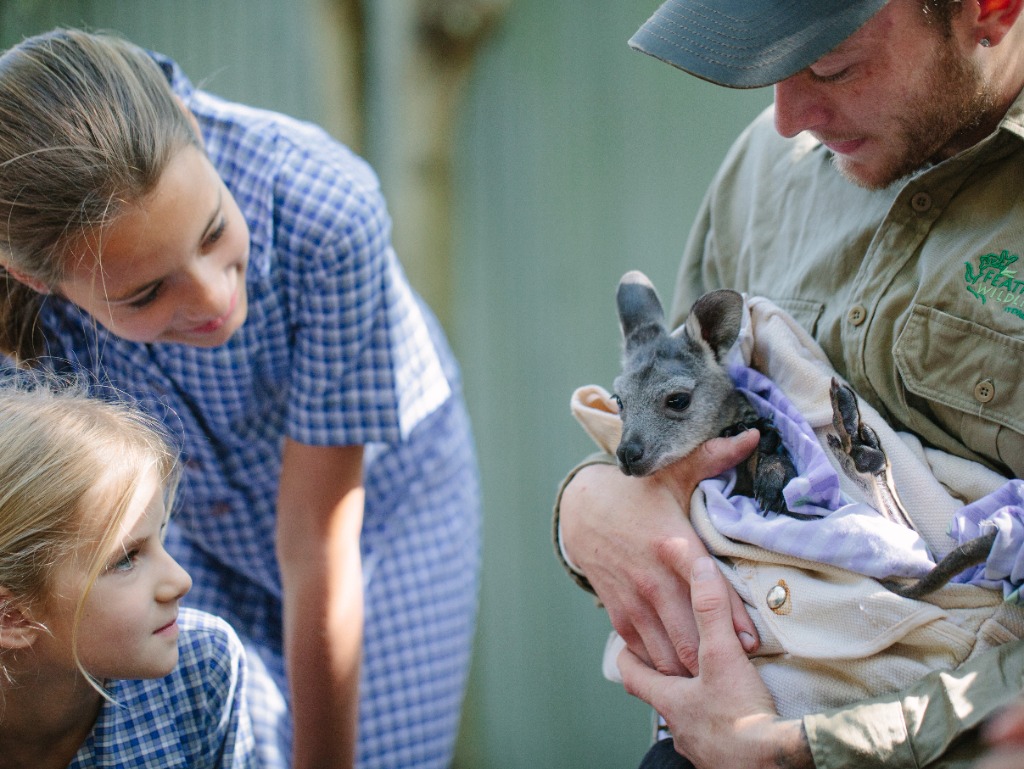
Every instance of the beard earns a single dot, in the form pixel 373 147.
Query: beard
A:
pixel 935 124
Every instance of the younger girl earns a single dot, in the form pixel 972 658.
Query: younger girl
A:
pixel 231 269
pixel 89 597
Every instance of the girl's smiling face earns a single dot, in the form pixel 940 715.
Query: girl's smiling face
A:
pixel 171 269
pixel 128 626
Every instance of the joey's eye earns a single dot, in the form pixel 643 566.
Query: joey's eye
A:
pixel 678 402
pixel 618 402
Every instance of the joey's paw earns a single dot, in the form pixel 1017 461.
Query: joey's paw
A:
pixel 770 478
pixel 853 438
pixel 845 414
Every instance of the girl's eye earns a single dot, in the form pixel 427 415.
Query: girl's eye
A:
pixel 146 298
pixel 126 562
pixel 217 232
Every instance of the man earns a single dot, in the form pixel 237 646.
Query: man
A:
pixel 879 202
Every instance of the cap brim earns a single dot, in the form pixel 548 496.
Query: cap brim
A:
pixel 749 43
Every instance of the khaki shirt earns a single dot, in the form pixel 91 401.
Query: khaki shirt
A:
pixel 916 294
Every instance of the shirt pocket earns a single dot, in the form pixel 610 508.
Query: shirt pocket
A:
pixel 831 637
pixel 799 609
pixel 967 379
pixel 804 312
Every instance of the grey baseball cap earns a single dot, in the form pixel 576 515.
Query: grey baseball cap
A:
pixel 749 43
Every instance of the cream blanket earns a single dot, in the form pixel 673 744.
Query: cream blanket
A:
pixel 830 636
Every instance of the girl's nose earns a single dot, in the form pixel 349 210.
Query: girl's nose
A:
pixel 798 106
pixel 175 582
pixel 209 292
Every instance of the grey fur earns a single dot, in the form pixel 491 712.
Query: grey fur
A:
pixel 674 392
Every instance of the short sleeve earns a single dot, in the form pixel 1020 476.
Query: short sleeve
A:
pixel 212 667
pixel 364 366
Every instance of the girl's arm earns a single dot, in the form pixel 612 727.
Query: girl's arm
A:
pixel 319 518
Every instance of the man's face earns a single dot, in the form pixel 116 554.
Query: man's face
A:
pixel 896 95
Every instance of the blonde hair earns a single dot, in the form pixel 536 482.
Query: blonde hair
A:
pixel 58 445
pixel 88 123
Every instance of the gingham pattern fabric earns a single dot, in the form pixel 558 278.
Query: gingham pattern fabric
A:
pixel 194 718
pixel 336 350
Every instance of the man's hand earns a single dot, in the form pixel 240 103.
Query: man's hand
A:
pixel 1006 736
pixel 633 539
pixel 724 715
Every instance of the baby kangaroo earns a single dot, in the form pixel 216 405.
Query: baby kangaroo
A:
pixel 674 391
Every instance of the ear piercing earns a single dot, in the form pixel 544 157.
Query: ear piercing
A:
pixel 984 42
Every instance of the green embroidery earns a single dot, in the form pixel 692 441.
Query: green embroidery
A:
pixel 996 281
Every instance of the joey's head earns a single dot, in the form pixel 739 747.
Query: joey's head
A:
pixel 674 392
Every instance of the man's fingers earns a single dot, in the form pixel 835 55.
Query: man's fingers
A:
pixel 711 458
pixel 743 625
pixel 720 454
pixel 644 639
pixel 639 680
pixel 712 609
pixel 682 557
pixel 652 627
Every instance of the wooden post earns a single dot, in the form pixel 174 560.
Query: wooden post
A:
pixel 418 56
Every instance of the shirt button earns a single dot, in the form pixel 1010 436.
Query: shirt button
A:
pixel 984 391
pixel 857 315
pixel 778 598
pixel 221 508
pixel 921 202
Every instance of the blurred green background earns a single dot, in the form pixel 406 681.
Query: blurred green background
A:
pixel 566 159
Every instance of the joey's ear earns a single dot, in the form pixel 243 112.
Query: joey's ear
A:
pixel 34 283
pixel 716 318
pixel 640 312
pixel 996 18
pixel 17 628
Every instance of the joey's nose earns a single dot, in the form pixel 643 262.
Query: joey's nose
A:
pixel 629 455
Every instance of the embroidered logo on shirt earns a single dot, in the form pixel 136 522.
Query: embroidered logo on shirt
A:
pixel 996 281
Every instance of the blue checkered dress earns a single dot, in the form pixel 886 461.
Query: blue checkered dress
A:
pixel 194 718
pixel 336 350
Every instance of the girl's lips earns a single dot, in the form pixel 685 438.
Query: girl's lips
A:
pixel 216 323
pixel 170 626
